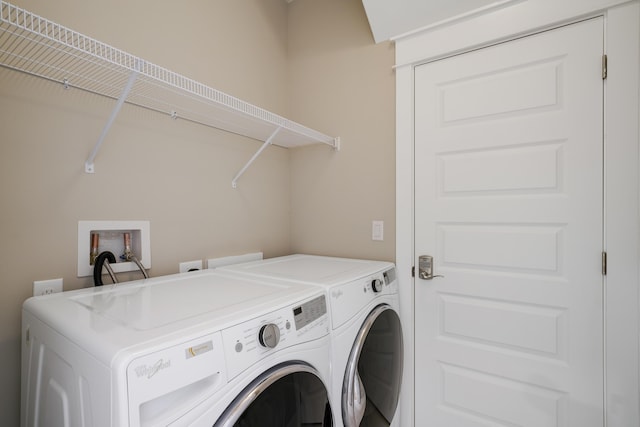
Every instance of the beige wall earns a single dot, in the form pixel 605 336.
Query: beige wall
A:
pixel 312 61
pixel 344 84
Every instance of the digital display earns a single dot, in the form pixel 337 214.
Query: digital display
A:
pixel 309 311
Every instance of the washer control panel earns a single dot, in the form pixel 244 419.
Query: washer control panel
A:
pixel 309 312
pixel 269 335
pixel 248 342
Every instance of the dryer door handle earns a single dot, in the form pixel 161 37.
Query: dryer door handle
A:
pixel 354 399
pixel 359 399
pixel 355 395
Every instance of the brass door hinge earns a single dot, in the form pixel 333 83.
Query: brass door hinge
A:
pixel 604 67
pixel 604 263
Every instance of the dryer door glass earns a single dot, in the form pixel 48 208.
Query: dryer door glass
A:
pixel 286 395
pixel 373 376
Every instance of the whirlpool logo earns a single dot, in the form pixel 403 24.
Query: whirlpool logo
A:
pixel 150 370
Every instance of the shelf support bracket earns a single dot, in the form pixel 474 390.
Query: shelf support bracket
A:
pixel 89 165
pixel 234 183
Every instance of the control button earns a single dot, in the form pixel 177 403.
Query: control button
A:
pixel 269 335
pixel 376 285
pixel 238 347
pixel 287 325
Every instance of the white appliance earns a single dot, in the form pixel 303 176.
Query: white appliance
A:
pixel 198 349
pixel 367 343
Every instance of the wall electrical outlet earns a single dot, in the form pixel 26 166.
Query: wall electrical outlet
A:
pixel 46 287
pixel 190 265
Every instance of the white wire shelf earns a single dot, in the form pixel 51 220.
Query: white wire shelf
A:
pixel 40 47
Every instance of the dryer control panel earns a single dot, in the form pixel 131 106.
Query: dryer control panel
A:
pixel 251 341
pixel 348 299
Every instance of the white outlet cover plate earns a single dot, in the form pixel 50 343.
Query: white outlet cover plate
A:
pixel 190 265
pixel 377 230
pixel 46 287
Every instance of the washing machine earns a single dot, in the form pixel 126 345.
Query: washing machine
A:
pixel 366 335
pixel 196 349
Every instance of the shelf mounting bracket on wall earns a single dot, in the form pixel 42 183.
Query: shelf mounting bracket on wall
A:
pixel 234 182
pixel 89 164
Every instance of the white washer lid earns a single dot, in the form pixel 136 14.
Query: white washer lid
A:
pixel 107 320
pixel 310 269
pixel 164 303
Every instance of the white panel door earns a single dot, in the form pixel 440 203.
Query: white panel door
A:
pixel 508 201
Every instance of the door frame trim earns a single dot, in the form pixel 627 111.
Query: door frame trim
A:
pixel 622 180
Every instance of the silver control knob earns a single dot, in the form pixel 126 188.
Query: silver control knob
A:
pixel 269 335
pixel 376 285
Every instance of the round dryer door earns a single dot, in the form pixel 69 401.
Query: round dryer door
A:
pixel 290 394
pixel 371 386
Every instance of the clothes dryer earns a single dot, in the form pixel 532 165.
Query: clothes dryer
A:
pixel 367 342
pixel 197 349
